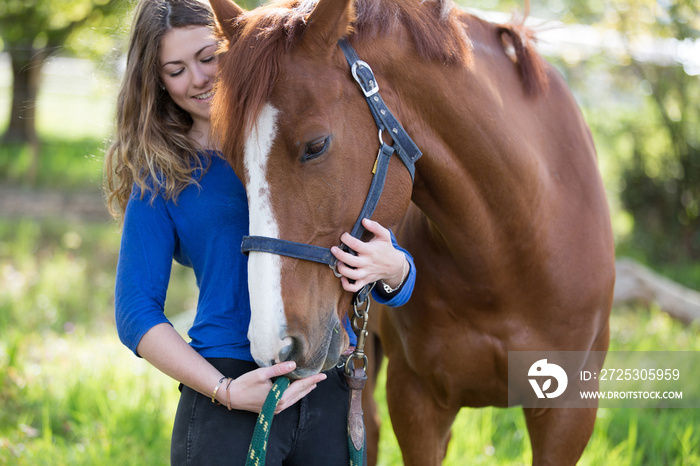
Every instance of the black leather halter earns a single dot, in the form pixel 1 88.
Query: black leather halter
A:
pixel 403 146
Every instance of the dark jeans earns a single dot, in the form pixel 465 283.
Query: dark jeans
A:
pixel 311 432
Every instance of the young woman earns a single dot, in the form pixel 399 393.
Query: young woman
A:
pixel 179 199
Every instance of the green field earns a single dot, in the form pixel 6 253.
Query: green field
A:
pixel 71 394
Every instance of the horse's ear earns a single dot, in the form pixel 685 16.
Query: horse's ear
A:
pixel 226 12
pixel 329 21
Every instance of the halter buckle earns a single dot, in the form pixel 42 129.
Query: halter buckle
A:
pixel 374 87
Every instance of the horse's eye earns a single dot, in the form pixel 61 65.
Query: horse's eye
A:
pixel 316 149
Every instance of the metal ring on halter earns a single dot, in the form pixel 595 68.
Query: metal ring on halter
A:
pixel 334 265
pixel 334 268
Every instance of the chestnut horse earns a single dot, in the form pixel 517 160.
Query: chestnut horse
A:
pixel 507 219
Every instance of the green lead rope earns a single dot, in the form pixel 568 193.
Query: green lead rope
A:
pixel 356 456
pixel 258 446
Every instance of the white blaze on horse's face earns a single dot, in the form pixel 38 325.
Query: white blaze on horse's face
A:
pixel 267 330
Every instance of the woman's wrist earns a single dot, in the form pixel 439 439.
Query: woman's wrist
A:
pixel 392 284
pixel 222 392
pixel 215 393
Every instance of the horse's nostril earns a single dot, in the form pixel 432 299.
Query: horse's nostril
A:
pixel 285 352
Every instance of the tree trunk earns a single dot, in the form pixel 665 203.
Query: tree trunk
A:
pixel 26 75
pixel 636 283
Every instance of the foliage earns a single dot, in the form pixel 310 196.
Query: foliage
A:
pixel 56 273
pixel 84 25
pixel 644 117
pixel 71 393
pixel 73 399
pixel 661 172
pixel 67 164
pixel 662 189
pixel 30 32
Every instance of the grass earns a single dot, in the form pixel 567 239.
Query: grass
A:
pixel 71 393
pixel 64 164
pixel 80 399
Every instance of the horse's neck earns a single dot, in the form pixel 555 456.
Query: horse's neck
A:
pixel 479 160
pixel 508 181
pixel 475 162
pixel 482 201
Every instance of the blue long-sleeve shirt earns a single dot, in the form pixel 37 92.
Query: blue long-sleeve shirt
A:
pixel 202 230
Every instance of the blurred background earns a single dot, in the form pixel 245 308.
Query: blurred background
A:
pixel 72 394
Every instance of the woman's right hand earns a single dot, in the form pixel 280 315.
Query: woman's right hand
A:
pixel 249 391
pixel 163 347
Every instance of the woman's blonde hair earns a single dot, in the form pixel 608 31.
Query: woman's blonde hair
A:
pixel 151 147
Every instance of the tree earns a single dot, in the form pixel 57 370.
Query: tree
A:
pixel 660 175
pixel 672 188
pixel 31 30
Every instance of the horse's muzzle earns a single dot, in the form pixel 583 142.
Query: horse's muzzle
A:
pixel 324 357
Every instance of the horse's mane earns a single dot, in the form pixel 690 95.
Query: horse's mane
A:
pixel 518 41
pixel 262 36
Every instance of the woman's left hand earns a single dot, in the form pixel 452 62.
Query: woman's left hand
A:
pixel 376 259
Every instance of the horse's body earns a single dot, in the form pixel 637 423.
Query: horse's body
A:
pixel 509 226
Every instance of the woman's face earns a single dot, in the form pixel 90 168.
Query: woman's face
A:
pixel 188 65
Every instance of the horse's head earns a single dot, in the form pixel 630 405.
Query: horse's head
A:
pixel 298 132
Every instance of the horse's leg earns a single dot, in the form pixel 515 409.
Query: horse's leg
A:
pixel 421 425
pixel 559 436
pixel 373 350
